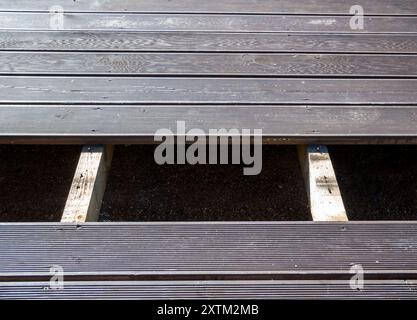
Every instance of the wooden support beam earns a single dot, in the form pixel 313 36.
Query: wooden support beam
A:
pixel 323 191
pixel 89 183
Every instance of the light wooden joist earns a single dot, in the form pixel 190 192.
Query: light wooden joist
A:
pixel 326 203
pixel 88 186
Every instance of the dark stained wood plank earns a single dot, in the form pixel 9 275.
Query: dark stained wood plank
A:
pixel 331 108
pixel 212 23
pixel 181 90
pixel 388 7
pixel 138 124
pixel 214 64
pixel 212 290
pixel 236 250
pixel 205 42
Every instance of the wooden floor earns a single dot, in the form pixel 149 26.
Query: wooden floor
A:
pixel 116 72
pixel 209 260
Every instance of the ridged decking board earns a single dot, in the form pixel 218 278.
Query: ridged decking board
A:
pixel 295 69
pixel 209 260
pixel 144 290
pixel 210 251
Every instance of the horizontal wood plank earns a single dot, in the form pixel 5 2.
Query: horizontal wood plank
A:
pixel 205 42
pixel 143 290
pixel 130 122
pixel 138 124
pixel 388 7
pixel 214 64
pixel 180 90
pixel 211 23
pixel 268 250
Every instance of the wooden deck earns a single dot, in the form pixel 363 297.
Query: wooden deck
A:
pixel 209 260
pixel 115 72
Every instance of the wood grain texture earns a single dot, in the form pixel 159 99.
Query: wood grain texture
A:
pixel 170 90
pixel 205 42
pixel 326 202
pixel 388 7
pixel 295 66
pixel 210 23
pixel 87 189
pixel 215 64
pixel 138 124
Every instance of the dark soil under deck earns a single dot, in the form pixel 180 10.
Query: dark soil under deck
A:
pixel 377 182
pixel 139 189
pixel 34 181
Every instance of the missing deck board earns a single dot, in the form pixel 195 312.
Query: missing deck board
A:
pixel 377 182
pixel 140 190
pixel 34 181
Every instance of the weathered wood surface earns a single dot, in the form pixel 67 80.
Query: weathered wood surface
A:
pixel 88 185
pixel 212 23
pixel 296 69
pixel 372 7
pixel 211 251
pixel 206 42
pixel 326 203
pixel 180 90
pixel 204 64
pixel 283 124
pixel 212 290
pixel 244 260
